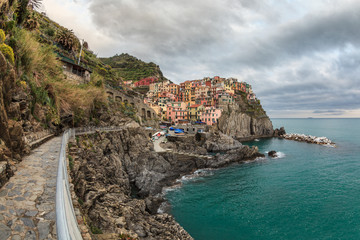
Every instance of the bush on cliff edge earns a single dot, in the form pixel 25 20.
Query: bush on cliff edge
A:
pixel 5 49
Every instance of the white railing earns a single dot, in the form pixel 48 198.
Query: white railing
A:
pixel 66 223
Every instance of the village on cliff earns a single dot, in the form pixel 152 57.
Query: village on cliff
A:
pixel 194 101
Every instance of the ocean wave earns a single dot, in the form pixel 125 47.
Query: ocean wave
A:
pixel 164 207
pixel 171 188
pixel 280 155
pixel 198 173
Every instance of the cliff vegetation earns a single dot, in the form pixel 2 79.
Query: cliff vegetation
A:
pixel 130 68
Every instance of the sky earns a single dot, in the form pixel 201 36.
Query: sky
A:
pixel 302 57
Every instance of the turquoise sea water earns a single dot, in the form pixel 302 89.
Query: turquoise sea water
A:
pixel 311 192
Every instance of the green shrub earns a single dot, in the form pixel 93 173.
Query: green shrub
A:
pixel 50 32
pixel 8 52
pixel 10 26
pixel 81 202
pixel 71 163
pixel 102 71
pixel 2 36
pixel 95 230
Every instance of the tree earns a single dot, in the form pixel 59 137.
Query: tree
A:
pixel 67 40
pixel 22 10
pixel 31 23
pixel 35 4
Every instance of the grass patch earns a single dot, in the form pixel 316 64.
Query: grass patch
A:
pixel 71 163
pixel 95 230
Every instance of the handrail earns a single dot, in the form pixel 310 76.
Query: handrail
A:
pixel 66 223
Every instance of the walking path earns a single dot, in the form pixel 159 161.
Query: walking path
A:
pixel 157 147
pixel 27 201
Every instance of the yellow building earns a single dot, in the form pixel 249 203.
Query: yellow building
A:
pixel 195 112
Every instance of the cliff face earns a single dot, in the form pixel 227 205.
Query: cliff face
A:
pixel 118 177
pixel 236 122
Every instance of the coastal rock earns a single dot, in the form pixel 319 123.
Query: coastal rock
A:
pixel 272 154
pixel 309 139
pixel 236 123
pixel 279 132
pixel 219 142
pixel 119 177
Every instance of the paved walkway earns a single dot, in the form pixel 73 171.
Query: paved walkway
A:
pixel 157 147
pixel 27 201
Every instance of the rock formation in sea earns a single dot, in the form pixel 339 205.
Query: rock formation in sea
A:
pixel 239 122
pixel 119 178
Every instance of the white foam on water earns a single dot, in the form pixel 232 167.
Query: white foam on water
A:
pixel 196 174
pixel 280 155
pixel 171 188
pixel 163 208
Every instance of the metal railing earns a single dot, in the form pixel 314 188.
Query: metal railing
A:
pixel 66 223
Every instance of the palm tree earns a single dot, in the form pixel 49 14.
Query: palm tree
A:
pixel 67 40
pixel 22 10
pixel 35 4
pixel 31 23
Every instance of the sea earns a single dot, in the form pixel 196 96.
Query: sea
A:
pixel 308 192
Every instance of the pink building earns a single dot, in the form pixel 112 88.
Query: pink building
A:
pixel 176 111
pixel 211 115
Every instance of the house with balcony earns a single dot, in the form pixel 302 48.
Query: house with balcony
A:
pixel 195 112
pixel 176 111
pixel 210 115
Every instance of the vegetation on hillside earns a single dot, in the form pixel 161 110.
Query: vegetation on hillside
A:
pixel 130 68
pixel 253 109
pixel 31 44
pixel 34 45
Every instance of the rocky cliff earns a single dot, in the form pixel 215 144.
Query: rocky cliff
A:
pixel 245 121
pixel 11 143
pixel 118 177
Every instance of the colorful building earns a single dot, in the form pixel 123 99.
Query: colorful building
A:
pixel 195 112
pixel 146 81
pixel 210 115
pixel 176 111
pixel 174 88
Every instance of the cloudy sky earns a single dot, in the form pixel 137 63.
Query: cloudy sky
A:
pixel 302 57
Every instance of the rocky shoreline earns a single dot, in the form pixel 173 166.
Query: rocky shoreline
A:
pixel 119 178
pixel 309 139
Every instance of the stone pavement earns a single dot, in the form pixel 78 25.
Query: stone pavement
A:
pixel 27 201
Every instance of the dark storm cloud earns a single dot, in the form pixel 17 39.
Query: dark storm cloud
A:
pixel 298 55
pixel 308 36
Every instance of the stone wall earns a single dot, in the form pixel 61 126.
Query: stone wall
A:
pixel 143 111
